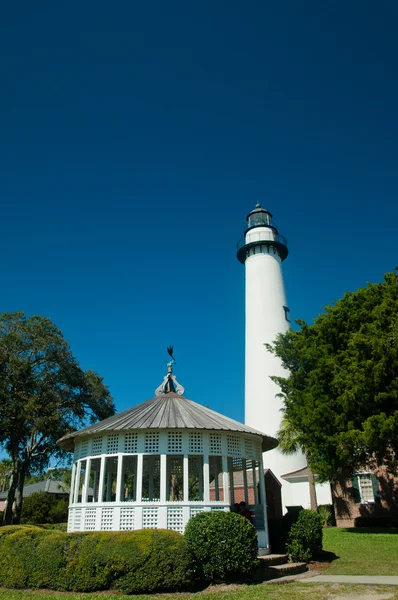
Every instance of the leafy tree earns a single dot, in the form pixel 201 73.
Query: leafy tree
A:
pixel 43 395
pixel 289 443
pixel 5 473
pixel 42 507
pixel 342 392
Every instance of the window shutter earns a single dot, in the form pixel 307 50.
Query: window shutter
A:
pixel 355 489
pixel 376 491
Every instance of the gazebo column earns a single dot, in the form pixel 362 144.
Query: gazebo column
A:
pixel 206 478
pixel 77 483
pixel 86 481
pixel 265 542
pixel 255 490
pixel 163 478
pixel 119 476
pixel 101 480
pixel 245 488
pixel 225 479
pixel 185 478
pixel 72 485
pixel 231 481
pixel 139 478
pixel 138 510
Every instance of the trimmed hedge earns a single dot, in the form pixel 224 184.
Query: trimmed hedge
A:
pixel 131 561
pixel 305 537
pixel 223 546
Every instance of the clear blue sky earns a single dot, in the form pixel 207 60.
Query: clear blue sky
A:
pixel 136 136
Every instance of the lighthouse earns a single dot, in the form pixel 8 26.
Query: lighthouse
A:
pixel 262 250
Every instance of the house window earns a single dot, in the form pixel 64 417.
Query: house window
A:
pixel 287 313
pixel 366 487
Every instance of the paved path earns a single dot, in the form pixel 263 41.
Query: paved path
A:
pixel 361 579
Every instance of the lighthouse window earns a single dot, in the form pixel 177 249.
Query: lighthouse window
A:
pixel 287 313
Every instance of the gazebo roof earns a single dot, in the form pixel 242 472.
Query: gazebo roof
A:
pixel 166 411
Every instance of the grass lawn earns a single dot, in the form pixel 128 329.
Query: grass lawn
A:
pixel 362 551
pixel 291 591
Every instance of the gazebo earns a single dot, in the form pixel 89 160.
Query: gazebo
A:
pixel 163 461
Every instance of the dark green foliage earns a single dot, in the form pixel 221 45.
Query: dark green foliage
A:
pixel 341 395
pixel 223 546
pixel 134 562
pixel 305 537
pixel 54 526
pixel 44 394
pixel 326 512
pixel 42 507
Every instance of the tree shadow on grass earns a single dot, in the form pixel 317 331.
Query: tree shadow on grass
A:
pixel 388 530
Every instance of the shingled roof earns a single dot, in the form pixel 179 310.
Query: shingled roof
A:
pixel 166 411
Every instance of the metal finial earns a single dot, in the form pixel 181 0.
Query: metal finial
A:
pixel 170 383
pixel 258 205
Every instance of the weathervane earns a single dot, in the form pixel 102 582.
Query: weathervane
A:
pixel 170 383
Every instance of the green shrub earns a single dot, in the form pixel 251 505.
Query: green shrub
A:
pixel 42 507
pixel 305 537
pixel 325 511
pixel 223 546
pixel 131 561
pixel 54 526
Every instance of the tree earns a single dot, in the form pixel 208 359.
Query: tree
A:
pixel 5 473
pixel 342 392
pixel 44 394
pixel 289 443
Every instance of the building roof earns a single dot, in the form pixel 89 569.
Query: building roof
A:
pixel 297 476
pixel 46 485
pixel 167 411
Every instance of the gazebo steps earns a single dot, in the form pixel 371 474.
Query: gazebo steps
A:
pixel 268 560
pixel 274 566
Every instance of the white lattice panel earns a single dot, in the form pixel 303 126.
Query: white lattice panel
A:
pixel 195 442
pixel 174 442
pixel 149 518
pixel 113 444
pixel 215 443
pixel 233 443
pixel 127 516
pixel 89 519
pixel 195 511
pixel 77 519
pixel 175 519
pixel 77 450
pixel 71 516
pixel 152 442
pixel 249 451
pixel 96 448
pixel 130 443
pixel 84 449
pixel 106 519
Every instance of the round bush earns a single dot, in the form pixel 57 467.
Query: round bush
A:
pixel 42 507
pixel 132 561
pixel 305 537
pixel 223 546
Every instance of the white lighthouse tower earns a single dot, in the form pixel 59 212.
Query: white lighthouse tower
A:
pixel 262 250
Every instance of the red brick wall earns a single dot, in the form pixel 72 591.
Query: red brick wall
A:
pixel 347 510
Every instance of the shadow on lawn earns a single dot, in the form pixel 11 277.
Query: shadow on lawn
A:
pixel 388 530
